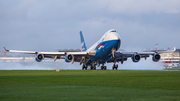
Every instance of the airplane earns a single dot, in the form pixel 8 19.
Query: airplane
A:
pixel 103 51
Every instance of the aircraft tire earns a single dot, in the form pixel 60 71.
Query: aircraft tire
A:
pixel 102 67
pixel 83 67
pixel 116 67
pixel 94 68
pixel 91 67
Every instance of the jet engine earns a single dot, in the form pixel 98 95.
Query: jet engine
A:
pixel 39 57
pixel 156 57
pixel 69 58
pixel 136 58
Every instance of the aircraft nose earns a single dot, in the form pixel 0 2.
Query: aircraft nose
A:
pixel 117 36
pixel 113 36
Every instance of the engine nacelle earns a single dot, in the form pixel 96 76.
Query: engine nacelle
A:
pixel 69 58
pixel 136 58
pixel 39 57
pixel 156 57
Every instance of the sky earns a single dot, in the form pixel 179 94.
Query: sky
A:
pixel 49 25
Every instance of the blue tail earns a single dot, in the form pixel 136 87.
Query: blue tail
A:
pixel 83 45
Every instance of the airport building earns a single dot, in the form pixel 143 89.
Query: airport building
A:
pixel 172 59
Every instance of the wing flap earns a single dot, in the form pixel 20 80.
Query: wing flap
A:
pixel 92 53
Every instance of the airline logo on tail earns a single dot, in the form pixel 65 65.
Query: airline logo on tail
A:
pixel 100 46
pixel 83 48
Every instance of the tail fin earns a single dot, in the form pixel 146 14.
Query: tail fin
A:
pixel 83 45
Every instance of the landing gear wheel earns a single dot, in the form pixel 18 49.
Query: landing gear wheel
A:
pixel 104 67
pixel 94 68
pixel 86 67
pixel 83 67
pixel 113 67
pixel 116 67
pixel 91 67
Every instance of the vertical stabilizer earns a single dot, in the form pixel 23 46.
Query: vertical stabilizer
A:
pixel 83 45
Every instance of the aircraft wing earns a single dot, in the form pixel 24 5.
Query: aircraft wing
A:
pixel 35 52
pixel 136 56
pixel 77 56
pixel 69 50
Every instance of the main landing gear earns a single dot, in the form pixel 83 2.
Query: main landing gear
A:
pixel 115 67
pixel 84 67
pixel 103 67
pixel 93 67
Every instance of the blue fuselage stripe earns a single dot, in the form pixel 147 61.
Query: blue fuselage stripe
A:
pixel 104 49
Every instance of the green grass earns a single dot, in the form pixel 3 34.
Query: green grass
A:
pixel 77 85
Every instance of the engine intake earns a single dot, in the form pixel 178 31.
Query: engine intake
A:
pixel 69 58
pixel 39 57
pixel 136 58
pixel 156 57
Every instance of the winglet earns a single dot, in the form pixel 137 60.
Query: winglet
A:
pixel 6 49
pixel 174 48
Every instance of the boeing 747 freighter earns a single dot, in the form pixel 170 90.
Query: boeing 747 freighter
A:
pixel 103 51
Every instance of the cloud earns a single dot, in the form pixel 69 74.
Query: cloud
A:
pixel 143 6
pixel 51 25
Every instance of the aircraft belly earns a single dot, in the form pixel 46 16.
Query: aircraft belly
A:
pixel 104 52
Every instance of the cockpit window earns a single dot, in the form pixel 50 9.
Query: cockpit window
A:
pixel 113 31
